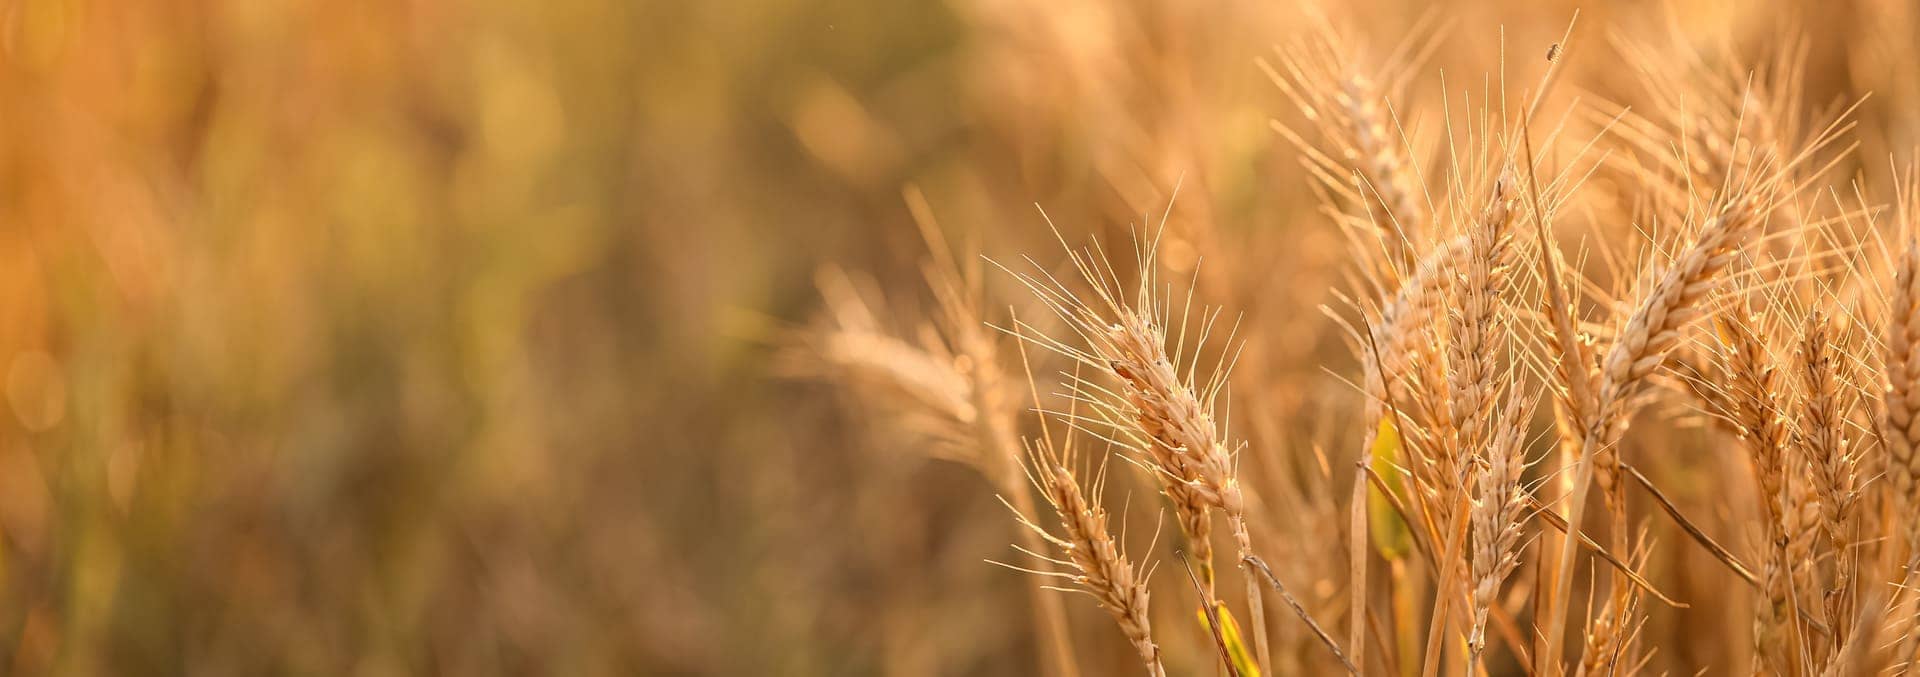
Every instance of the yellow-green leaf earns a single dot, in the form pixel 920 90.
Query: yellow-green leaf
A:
pixel 1236 646
pixel 1389 533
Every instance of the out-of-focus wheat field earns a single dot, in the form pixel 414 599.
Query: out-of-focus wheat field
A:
pixel 477 337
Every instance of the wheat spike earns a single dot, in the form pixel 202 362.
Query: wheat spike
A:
pixel 1902 403
pixel 1091 558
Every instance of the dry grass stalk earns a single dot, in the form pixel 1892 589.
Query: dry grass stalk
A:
pixel 1572 389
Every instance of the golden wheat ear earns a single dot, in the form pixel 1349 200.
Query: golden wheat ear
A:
pixel 1090 560
pixel 1360 159
pixel 1498 514
pixel 1825 411
pixel 1670 300
pixel 1148 394
pixel 1900 405
pixel 949 387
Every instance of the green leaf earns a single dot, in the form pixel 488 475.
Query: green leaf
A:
pixel 1389 533
pixel 1236 646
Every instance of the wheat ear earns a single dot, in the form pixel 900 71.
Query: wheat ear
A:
pixel 1498 513
pixel 1825 407
pixel 1091 558
pixel 1901 415
pixel 1642 343
pixel 1380 153
pixel 1753 394
pixel 1165 415
pixel 1475 330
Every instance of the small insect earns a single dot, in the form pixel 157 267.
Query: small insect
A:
pixel 1553 52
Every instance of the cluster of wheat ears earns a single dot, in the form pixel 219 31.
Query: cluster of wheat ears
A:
pixel 1740 286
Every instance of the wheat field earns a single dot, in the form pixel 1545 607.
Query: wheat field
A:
pixel 959 337
pixel 1585 350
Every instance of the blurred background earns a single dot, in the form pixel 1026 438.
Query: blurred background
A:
pixel 455 337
